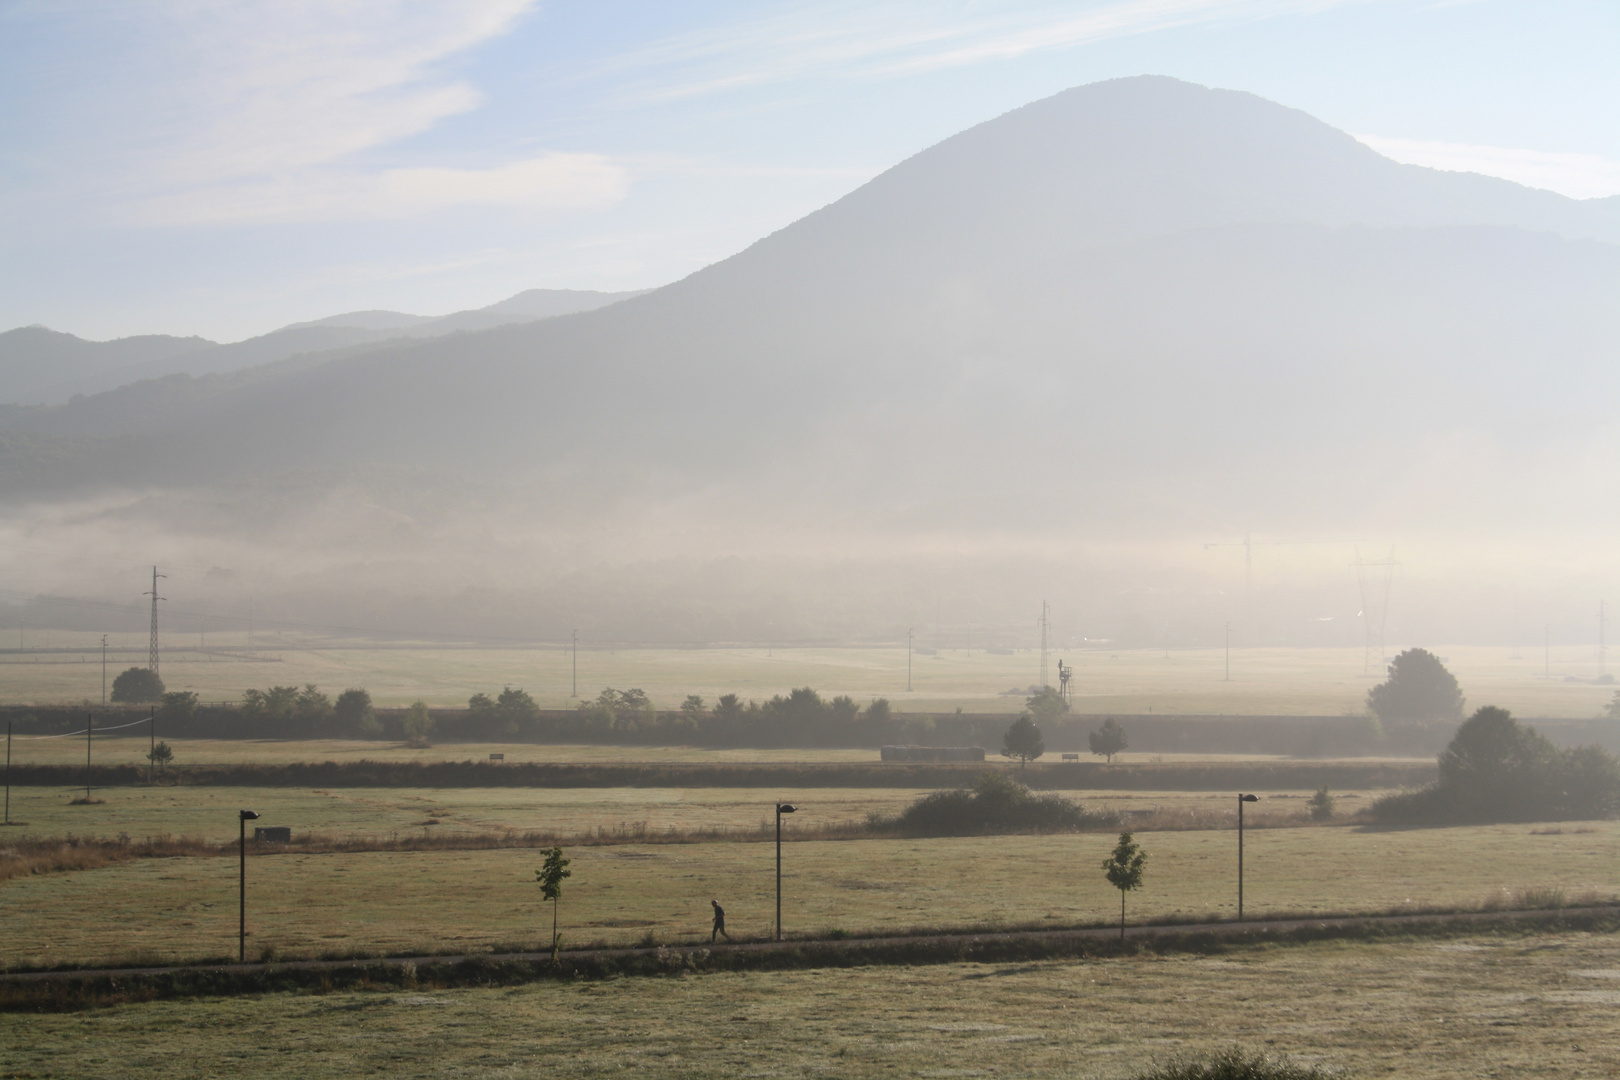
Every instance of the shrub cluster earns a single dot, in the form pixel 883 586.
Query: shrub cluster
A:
pixel 800 718
pixel 1235 1064
pixel 994 803
pixel 1496 769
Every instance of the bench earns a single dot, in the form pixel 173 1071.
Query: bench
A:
pixel 1071 757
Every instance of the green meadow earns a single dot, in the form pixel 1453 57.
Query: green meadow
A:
pixel 392 902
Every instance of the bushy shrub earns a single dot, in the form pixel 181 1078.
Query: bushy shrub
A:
pixel 995 803
pixel 160 756
pixel 1496 769
pixel 276 703
pixel 178 707
pixel 417 725
pixel 507 715
pixel 1234 1064
pixel 621 712
pixel 354 713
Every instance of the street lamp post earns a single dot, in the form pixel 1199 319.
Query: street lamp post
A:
pixel 242 818
pixel 1241 800
pixel 781 808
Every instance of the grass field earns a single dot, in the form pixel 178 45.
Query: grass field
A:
pixel 131 750
pixel 1320 682
pixel 210 812
pixel 434 901
pixel 1535 1006
pixel 125 749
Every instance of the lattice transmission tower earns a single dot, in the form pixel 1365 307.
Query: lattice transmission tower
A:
pixel 1046 623
pixel 1375 577
pixel 152 647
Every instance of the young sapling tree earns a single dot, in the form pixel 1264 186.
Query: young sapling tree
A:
pixel 550 876
pixel 1124 872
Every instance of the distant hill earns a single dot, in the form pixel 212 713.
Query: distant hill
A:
pixel 1133 314
pixel 40 366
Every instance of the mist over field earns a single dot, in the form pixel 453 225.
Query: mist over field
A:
pixel 1050 358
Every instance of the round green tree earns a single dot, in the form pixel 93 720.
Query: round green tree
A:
pixel 1108 740
pixel 1418 688
pixel 1023 741
pixel 137 685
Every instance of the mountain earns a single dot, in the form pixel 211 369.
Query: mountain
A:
pixel 1123 319
pixel 40 366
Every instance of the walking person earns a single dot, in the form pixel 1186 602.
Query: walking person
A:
pixel 719 922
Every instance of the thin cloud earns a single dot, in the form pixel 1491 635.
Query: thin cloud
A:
pixel 269 87
pixel 897 40
pixel 244 111
pixel 1579 176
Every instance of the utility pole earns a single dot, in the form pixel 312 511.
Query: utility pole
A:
pixel 1241 800
pixel 1228 652
pixel 151 730
pixel 1045 622
pixel 8 772
pixel 103 671
pixel 242 818
pixel 781 808
pixel 89 726
pixel 152 649
pixel 1546 650
pixel 908 659
pixel 574 693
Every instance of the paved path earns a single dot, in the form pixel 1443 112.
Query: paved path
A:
pixel 1230 929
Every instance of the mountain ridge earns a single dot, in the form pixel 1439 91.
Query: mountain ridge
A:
pixel 1134 313
pixel 31 357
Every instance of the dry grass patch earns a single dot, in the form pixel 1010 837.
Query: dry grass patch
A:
pixel 1530 1006
pixel 389 813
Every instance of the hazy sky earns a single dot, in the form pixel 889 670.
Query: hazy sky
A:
pixel 218 167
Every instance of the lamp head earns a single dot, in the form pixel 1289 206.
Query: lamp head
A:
pixel 250 815
pixel 1248 798
pixel 785 808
